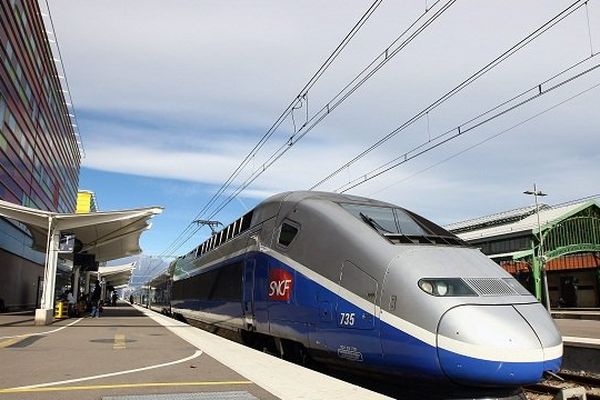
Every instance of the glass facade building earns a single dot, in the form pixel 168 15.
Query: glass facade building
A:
pixel 39 153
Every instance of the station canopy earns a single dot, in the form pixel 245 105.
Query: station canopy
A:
pixel 108 235
pixel 116 276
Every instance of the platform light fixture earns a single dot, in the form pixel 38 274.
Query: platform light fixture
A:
pixel 538 193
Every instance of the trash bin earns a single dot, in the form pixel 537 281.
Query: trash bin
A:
pixel 61 309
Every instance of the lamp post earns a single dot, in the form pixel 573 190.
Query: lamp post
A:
pixel 538 193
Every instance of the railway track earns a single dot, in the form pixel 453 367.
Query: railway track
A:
pixel 550 387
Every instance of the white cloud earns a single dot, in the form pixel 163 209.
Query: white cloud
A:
pixel 183 90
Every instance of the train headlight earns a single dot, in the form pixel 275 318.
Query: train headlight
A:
pixel 446 287
pixel 442 288
pixel 426 286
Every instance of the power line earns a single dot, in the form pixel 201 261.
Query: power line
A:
pixel 387 54
pixel 296 102
pixel 461 130
pixel 535 89
pixel 448 95
pixel 338 99
pixel 489 138
pixel 181 239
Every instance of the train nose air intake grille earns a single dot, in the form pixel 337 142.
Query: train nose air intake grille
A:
pixel 490 287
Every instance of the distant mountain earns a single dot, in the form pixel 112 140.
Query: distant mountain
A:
pixel 146 268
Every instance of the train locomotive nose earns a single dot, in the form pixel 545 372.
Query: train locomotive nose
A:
pixel 498 345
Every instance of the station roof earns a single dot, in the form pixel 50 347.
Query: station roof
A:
pixel 500 218
pixel 108 235
pixel 117 276
pixel 526 224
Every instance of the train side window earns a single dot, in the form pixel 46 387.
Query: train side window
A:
pixel 246 221
pixel 287 233
pixel 227 283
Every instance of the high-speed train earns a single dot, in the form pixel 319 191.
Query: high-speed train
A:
pixel 155 294
pixel 369 286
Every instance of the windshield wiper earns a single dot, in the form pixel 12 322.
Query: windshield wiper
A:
pixel 373 224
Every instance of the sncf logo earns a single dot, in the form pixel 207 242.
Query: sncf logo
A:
pixel 280 284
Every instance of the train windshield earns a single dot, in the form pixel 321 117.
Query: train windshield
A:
pixel 399 225
pixel 386 220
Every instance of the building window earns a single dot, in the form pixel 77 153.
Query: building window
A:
pixel 2 109
pixel 3 143
pixel 12 123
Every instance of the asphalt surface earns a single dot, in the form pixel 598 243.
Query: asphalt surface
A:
pixel 123 339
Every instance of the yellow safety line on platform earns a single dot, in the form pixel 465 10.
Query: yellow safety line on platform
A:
pixel 10 342
pixel 119 343
pixel 123 386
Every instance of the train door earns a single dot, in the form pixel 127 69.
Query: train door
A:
pixel 255 277
pixel 347 327
pixel 248 309
pixel 357 315
pixel 356 308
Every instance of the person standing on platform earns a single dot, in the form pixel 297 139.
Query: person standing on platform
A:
pixel 71 301
pixel 96 302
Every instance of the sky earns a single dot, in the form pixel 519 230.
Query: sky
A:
pixel 171 96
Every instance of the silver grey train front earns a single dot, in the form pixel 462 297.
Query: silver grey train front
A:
pixel 444 309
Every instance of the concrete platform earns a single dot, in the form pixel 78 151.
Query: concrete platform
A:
pixel 577 313
pixel 580 331
pixel 131 351
pixel 581 340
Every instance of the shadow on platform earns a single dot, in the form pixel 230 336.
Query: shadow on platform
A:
pixel 121 310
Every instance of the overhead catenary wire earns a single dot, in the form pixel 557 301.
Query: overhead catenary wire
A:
pixel 489 138
pixel 536 89
pixel 338 99
pixel 448 95
pixel 519 45
pixel 190 229
pixel 344 93
pixel 363 76
pixel 295 103
pixel 589 26
pixel 271 160
pixel 505 55
pixel 458 131
pixel 389 52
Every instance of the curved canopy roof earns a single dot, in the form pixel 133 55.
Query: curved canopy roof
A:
pixel 528 223
pixel 117 276
pixel 108 235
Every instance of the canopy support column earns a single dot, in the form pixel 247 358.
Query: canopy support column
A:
pixel 103 287
pixel 76 278
pixel 86 289
pixel 45 314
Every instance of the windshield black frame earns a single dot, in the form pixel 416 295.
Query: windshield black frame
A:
pixel 400 225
